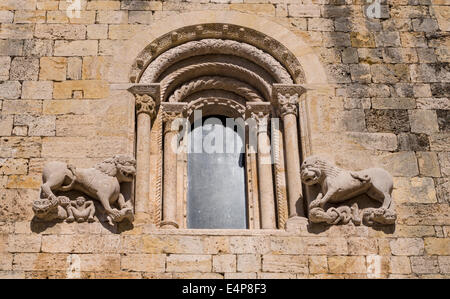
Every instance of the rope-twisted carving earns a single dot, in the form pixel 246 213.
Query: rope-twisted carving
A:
pixel 280 192
pixel 216 46
pixel 216 82
pixel 159 174
pixel 214 68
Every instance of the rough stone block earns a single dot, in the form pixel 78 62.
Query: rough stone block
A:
pixel 362 246
pixel 6 125
pixel 407 246
pixel 76 48
pixel 22 107
pixel 224 263
pixel 103 5
pixel 38 47
pixel 13 166
pixel 424 214
pixel 95 67
pixel 244 244
pixel 17 31
pixel 443 117
pixel 362 40
pixel 74 65
pixel 140 17
pixel 248 263
pixel 92 89
pixel 37 125
pixel 384 120
pixel 347 264
pixel 424 264
pixel 318 264
pixel 29 16
pixel 437 246
pixel 400 164
pixel 112 17
pixel 390 73
pixel 97 31
pixel 413 142
pixel 444 264
pixel 24 243
pixel 144 262
pixel 10 90
pixel 141 5
pixel 189 263
pixel 428 164
pixel 285 263
pixel 60 31
pixel 6 261
pixel 20 147
pixel 96 262
pixel 414 190
pixel 6 16
pixel 300 10
pixel 393 103
pixel 5 64
pixel 37 90
pixel 24 68
pixel 40 262
pixel 53 68
pixel 425 25
pixel 423 121
pixel 400 265
pixel 322 246
pixel 440 141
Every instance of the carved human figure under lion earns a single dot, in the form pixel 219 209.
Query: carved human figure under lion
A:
pixel 81 210
pixel 338 185
pixel 102 182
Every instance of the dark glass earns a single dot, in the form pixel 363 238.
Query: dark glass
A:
pixel 216 180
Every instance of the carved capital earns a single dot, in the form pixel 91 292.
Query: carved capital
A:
pixel 145 104
pixel 261 113
pixel 287 96
pixel 147 98
pixel 171 112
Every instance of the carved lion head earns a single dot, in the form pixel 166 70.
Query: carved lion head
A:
pixel 121 166
pixel 310 170
pixel 43 207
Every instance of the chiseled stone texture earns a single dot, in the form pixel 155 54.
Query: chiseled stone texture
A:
pixel 378 95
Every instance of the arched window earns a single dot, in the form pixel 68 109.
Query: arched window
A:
pixel 216 195
pixel 216 69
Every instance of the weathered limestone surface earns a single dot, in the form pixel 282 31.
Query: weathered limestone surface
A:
pixel 377 96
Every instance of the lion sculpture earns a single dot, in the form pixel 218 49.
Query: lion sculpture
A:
pixel 102 182
pixel 339 185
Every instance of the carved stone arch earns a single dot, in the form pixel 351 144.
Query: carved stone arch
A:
pixel 208 69
pixel 215 82
pixel 199 58
pixel 215 46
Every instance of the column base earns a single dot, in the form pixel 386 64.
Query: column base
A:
pixel 297 223
pixel 169 225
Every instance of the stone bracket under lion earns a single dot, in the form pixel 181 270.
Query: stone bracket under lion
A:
pixel 339 186
pixel 101 183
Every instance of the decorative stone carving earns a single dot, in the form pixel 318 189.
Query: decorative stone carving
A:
pixel 215 46
pixel 147 98
pixel 102 182
pixel 81 210
pixel 339 185
pixel 51 209
pixel 216 82
pixel 219 32
pixel 145 104
pixel 287 96
pixel 213 68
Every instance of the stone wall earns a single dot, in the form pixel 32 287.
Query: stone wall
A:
pixel 384 102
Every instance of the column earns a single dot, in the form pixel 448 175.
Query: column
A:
pixel 171 112
pixel 288 97
pixel 265 176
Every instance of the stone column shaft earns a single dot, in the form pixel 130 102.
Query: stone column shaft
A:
pixel 170 180
pixel 142 163
pixel 265 177
pixel 292 164
pixel 145 110
pixel 287 96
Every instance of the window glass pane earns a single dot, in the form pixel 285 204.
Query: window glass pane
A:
pixel 216 177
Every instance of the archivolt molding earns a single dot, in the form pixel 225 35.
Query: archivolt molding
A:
pixel 208 69
pixel 216 82
pixel 216 46
pixel 220 105
pixel 228 59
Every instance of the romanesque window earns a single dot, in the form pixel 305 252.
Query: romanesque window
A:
pixel 231 72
